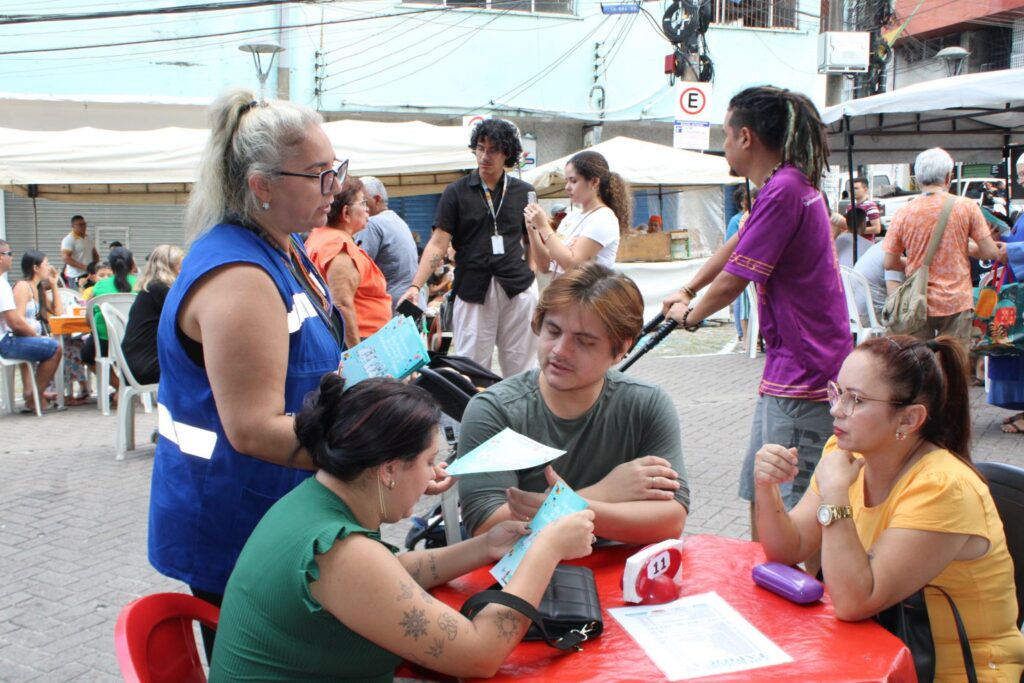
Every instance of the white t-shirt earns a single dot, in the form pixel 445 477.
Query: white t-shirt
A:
pixel 600 225
pixel 6 304
pixel 81 250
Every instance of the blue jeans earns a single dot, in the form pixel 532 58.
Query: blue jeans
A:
pixel 35 349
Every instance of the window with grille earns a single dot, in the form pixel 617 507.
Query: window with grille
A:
pixel 536 6
pixel 755 13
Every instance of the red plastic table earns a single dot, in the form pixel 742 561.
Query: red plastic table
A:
pixel 823 648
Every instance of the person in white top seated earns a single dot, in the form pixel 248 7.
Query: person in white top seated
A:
pixel 589 233
pixel 857 223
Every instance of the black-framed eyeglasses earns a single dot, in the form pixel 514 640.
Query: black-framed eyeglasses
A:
pixel 849 400
pixel 6 253
pixel 338 172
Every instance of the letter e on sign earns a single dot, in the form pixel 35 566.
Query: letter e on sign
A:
pixel 693 101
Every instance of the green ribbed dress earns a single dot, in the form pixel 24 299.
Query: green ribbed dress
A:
pixel 271 628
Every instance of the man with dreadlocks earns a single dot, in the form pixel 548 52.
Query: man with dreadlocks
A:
pixel 776 139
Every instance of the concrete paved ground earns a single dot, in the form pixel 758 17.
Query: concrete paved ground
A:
pixel 73 520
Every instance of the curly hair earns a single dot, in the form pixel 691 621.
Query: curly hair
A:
pixel 503 135
pixel 785 121
pixel 614 191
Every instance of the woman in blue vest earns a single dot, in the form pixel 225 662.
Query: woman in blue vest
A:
pixel 246 332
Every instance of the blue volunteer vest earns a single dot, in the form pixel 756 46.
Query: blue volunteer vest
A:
pixel 207 497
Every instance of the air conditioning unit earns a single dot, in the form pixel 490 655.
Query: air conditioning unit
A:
pixel 843 52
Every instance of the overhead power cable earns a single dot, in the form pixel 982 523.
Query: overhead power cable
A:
pixel 224 34
pixel 7 19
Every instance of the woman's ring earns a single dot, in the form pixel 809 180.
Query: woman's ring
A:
pixel 652 481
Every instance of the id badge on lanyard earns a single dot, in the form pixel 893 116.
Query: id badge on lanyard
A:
pixel 497 241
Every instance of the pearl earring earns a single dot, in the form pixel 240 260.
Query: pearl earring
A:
pixel 900 436
pixel 391 484
pixel 265 206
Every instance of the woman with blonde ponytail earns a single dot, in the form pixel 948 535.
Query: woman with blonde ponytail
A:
pixel 590 233
pixel 246 331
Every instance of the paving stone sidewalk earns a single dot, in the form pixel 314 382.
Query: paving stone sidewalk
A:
pixel 73 519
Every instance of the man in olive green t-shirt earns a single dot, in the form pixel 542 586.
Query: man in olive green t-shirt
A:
pixel 621 435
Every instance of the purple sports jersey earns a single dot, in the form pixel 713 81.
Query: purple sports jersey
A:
pixel 786 248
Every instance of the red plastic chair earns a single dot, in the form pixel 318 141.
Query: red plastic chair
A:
pixel 155 641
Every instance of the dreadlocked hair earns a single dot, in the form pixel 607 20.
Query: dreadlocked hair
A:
pixel 785 121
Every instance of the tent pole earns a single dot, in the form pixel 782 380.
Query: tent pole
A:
pixel 35 223
pixel 849 165
pixel 1007 161
pixel 661 206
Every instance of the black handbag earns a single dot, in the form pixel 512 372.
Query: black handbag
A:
pixel 908 621
pixel 569 614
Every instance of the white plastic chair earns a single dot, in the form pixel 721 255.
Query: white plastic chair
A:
pixel 7 366
pixel 69 298
pixel 130 387
pixel 123 303
pixel 852 280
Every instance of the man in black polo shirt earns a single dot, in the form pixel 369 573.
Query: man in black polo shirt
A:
pixel 481 216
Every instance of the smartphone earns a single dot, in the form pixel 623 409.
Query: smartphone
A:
pixel 531 197
pixel 410 309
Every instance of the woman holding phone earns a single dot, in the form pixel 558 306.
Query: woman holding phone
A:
pixel 590 233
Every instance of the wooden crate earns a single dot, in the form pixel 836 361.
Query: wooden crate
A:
pixel 650 247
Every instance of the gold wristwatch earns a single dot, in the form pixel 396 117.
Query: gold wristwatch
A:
pixel 830 513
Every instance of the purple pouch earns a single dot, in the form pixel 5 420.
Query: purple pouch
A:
pixel 792 584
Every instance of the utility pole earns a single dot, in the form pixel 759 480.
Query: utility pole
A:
pixel 834 82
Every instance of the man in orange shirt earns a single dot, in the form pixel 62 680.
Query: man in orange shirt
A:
pixel 950 297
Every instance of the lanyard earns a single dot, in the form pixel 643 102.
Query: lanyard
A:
pixel 490 202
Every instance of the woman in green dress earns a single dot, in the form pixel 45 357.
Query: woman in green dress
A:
pixel 317 595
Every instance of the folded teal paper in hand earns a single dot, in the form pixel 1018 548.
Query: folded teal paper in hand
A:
pixel 507 450
pixel 561 501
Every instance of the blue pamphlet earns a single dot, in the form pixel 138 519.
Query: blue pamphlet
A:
pixel 561 501
pixel 395 350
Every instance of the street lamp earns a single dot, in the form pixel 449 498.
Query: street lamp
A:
pixel 954 57
pixel 269 50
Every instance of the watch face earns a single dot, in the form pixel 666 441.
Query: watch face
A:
pixel 824 515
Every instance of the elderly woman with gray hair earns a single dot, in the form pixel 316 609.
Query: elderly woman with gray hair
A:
pixel 245 333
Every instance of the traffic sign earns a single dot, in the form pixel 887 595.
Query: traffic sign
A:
pixel 693 101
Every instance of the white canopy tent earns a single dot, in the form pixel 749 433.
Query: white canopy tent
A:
pixel 975 117
pixel 158 166
pixel 686 187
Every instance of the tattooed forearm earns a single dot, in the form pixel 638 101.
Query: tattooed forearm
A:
pixel 414 623
pixel 507 623
pixel 433 569
pixel 417 570
pixel 435 261
pixel 427 597
pixel 406 593
pixel 437 649
pixel 449 626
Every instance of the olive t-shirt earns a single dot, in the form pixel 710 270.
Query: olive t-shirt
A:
pixel 630 419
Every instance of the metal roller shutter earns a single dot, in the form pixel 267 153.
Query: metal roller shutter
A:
pixel 418 212
pixel 149 224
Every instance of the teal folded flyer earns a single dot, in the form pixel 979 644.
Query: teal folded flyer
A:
pixel 395 350
pixel 561 501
